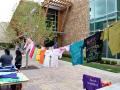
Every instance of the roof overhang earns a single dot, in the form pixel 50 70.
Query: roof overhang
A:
pixel 57 4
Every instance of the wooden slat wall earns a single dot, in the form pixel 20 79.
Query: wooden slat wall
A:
pixel 60 15
pixel 60 20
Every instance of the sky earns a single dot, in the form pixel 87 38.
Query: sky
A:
pixel 7 8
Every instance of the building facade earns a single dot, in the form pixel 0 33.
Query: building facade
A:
pixel 76 26
pixel 69 19
pixel 102 14
pixel 84 18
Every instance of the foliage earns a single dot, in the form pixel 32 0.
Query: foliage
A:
pixel 107 61
pixel 29 20
pixel 10 35
pixel 113 62
pixel 6 45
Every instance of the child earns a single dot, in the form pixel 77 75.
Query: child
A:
pixel 18 59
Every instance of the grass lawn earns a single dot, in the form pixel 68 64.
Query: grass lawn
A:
pixel 111 68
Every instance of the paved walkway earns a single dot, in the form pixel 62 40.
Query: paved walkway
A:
pixel 65 77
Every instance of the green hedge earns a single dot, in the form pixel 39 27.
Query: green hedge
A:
pixel 6 45
pixel 67 55
pixel 111 62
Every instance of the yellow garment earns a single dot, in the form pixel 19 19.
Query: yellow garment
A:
pixel 38 55
pixel 112 34
pixel 106 34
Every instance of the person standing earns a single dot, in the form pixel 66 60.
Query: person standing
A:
pixel 18 59
pixel 6 59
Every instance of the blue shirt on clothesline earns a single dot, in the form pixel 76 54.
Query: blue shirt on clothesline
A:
pixel 76 51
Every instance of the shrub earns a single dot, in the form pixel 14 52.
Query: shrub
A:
pixel 6 45
pixel 107 62
pixel 113 62
pixel 102 61
pixel 67 55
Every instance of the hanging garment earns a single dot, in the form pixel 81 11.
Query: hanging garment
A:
pixel 38 55
pixel 29 44
pixel 55 55
pixel 51 57
pixel 47 58
pixel 76 51
pixel 32 52
pixel 106 35
pixel 42 54
pixel 31 48
pixel 94 46
pixel 67 48
pixel 35 53
pixel 112 35
pixel 28 48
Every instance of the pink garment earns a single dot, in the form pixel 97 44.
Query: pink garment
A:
pixel 28 41
pixel 32 52
pixel 31 47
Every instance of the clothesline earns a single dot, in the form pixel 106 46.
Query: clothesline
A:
pixel 52 55
pixel 93 45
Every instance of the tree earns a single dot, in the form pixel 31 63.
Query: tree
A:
pixel 10 35
pixel 29 20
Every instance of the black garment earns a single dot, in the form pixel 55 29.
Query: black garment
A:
pixel 16 86
pixel 94 46
pixel 18 61
pixel 17 66
pixel 48 43
pixel 6 60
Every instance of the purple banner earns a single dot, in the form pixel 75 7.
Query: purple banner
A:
pixel 91 83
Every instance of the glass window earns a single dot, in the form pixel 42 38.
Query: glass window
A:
pixel 111 7
pixel 118 56
pixel 118 15
pixel 118 5
pixel 92 9
pixel 102 14
pixel 91 26
pixel 98 25
pixel 52 20
pixel 100 8
pixel 110 22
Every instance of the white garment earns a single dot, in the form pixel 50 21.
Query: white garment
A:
pixel 47 58
pixel 52 57
pixel 67 48
pixel 56 54
pixel 29 47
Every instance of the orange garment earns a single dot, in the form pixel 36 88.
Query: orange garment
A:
pixel 42 53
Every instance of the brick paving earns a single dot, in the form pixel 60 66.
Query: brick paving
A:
pixel 65 77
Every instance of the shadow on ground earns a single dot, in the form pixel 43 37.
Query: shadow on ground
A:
pixel 29 67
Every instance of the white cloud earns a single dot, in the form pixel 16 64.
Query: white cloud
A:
pixel 38 0
pixel 7 7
